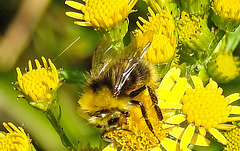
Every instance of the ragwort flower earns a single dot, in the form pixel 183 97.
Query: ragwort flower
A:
pixel 15 140
pixel 194 35
pixel 227 14
pixel 136 135
pixel 101 13
pixel 162 48
pixel 224 68
pixel 202 109
pixel 233 139
pixel 40 85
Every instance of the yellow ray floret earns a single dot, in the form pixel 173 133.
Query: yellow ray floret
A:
pixel 16 139
pixel 39 84
pixel 100 13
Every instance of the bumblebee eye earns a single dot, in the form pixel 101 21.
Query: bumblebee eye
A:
pixel 113 121
pixel 125 112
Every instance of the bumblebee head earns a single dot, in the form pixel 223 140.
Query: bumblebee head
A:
pixel 104 110
pixel 108 118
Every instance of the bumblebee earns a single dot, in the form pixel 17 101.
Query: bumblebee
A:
pixel 115 81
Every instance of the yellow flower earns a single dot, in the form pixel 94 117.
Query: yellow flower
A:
pixel 15 140
pixel 227 9
pixel 101 13
pixel 224 68
pixel 202 109
pixel 135 134
pixel 233 139
pixel 163 45
pixel 226 16
pixel 40 85
pixel 194 35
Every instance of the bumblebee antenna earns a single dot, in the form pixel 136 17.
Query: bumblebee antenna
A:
pixel 67 48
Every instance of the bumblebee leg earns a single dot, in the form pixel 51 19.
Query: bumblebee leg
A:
pixel 144 113
pixel 138 91
pixel 153 98
pixel 155 103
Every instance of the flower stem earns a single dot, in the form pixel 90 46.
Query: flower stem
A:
pixel 216 40
pixel 58 128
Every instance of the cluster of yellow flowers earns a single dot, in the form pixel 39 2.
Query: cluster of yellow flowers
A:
pixel 190 59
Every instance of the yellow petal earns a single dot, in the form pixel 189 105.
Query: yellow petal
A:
pixel 232 119
pixel 202 131
pixel 177 132
pixel 30 65
pixel 214 84
pixel 177 119
pixel 162 94
pixel 156 149
pixel 166 126
pixel 197 81
pixel 143 20
pixel 200 140
pixel 109 148
pixel 225 126
pixel 187 136
pixel 19 73
pixel 167 81
pixel 75 15
pixel 37 64
pixel 166 105
pixel 81 23
pixel 178 90
pixel 74 4
pixel 234 97
pixel 218 135
pixel 44 63
pixel 235 110
pixel 140 26
pixel 169 144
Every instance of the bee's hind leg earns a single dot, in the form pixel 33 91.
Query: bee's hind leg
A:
pixel 144 113
pixel 155 103
pixel 153 98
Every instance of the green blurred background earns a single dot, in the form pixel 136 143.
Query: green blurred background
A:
pixel 30 29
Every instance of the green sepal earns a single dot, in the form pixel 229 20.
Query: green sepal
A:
pixel 116 34
pixel 73 77
pixel 214 146
pixel 232 40
pixel 32 148
pixel 88 147
pixel 203 75
pixel 195 7
pixel 227 24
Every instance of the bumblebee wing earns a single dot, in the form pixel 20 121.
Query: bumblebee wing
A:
pixel 131 56
pixel 102 57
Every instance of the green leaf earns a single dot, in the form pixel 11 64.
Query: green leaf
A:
pixel 233 39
